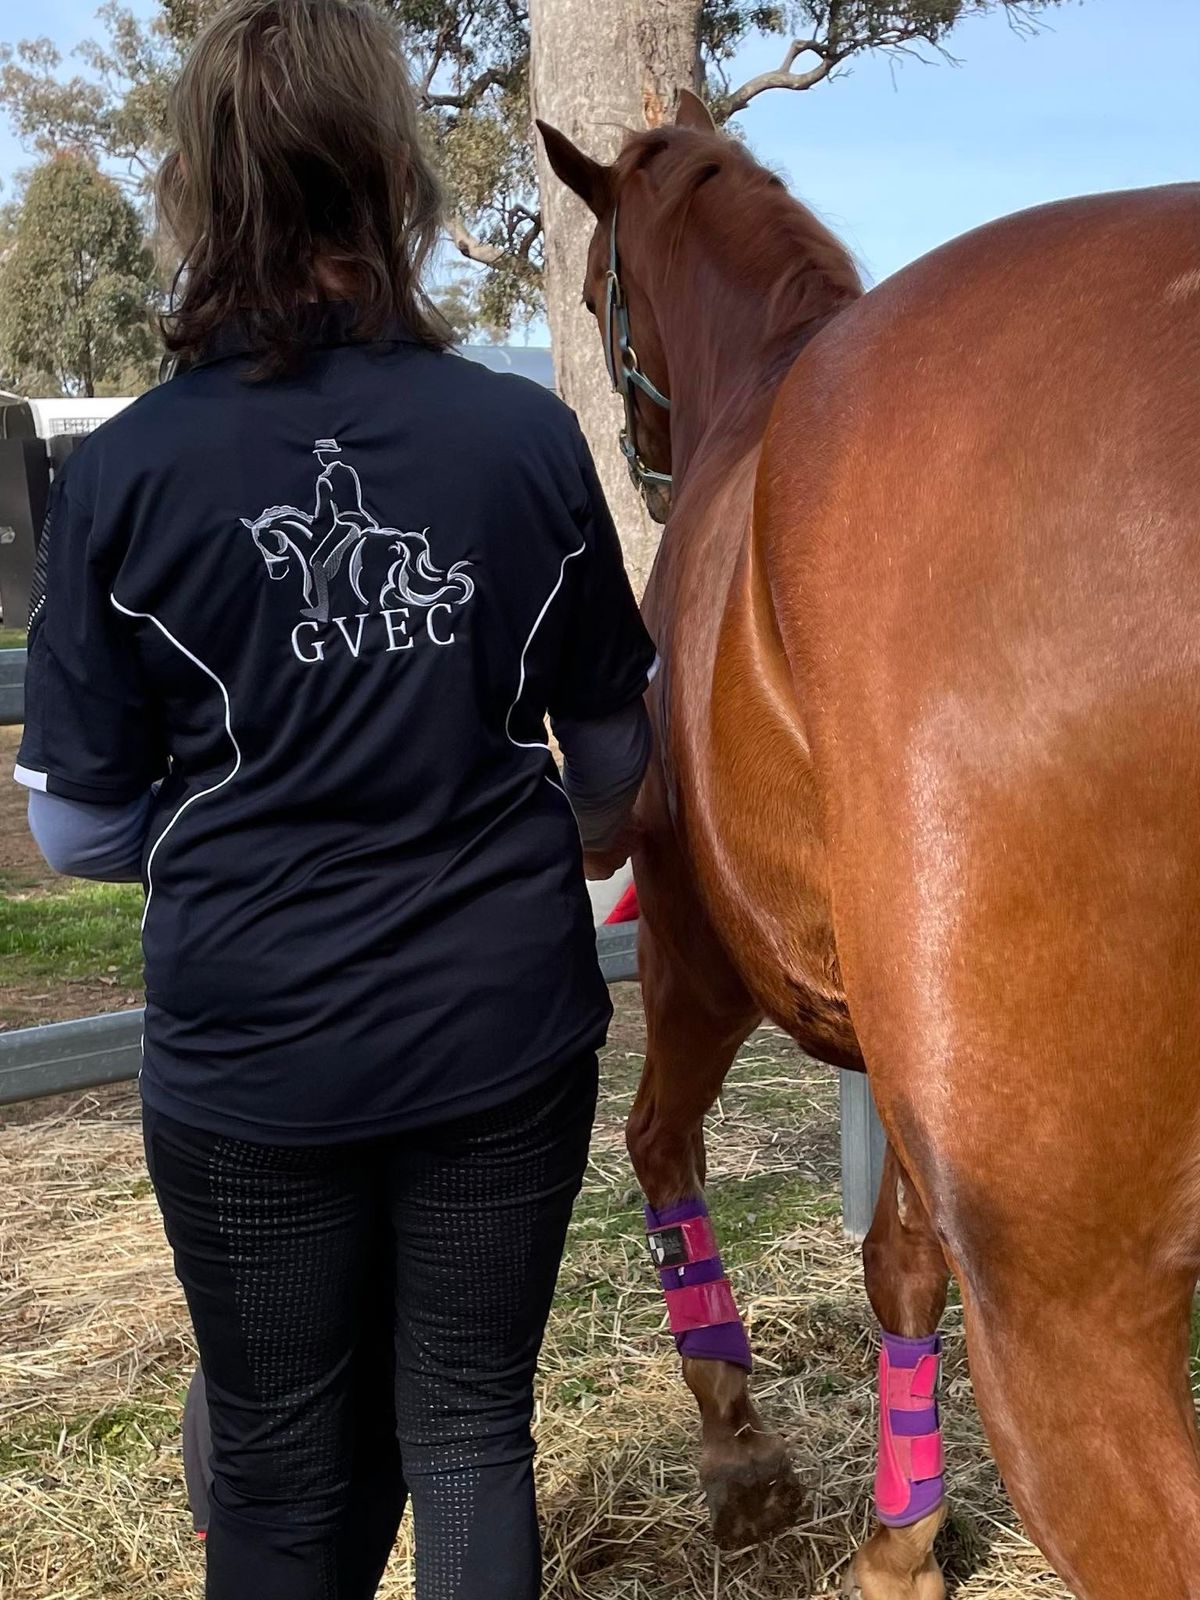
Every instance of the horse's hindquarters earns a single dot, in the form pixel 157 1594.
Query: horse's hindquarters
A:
pixel 993 615
pixel 1021 963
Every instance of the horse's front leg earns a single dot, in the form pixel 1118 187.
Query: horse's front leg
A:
pixel 697 1015
pixel 907 1278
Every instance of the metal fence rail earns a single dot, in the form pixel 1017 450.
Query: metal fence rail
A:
pixel 62 1057
pixel 12 687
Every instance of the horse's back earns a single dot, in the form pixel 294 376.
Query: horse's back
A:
pixel 978 513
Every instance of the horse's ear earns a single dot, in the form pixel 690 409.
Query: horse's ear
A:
pixel 691 112
pixel 589 179
pixel 246 523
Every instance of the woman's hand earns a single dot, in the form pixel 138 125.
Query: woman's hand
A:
pixel 607 861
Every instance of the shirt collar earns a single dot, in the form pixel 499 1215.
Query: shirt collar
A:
pixel 322 326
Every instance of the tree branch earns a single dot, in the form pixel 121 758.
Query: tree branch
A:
pixel 473 92
pixel 784 78
pixel 494 255
pixel 437 51
pixel 532 234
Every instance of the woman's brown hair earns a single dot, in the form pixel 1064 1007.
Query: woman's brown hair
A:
pixel 297 175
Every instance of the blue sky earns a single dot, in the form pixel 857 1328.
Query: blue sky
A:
pixel 898 156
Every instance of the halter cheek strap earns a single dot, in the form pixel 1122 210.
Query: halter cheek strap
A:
pixel 700 1306
pixel 910 1475
pixel 624 369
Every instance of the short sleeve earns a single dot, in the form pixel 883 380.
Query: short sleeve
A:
pixel 608 658
pixel 91 732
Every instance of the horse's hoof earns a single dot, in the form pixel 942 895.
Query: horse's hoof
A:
pixel 753 1500
pixel 928 1585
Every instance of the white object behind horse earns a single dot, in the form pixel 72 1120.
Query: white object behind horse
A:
pixel 604 896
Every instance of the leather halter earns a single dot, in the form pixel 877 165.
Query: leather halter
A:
pixel 625 370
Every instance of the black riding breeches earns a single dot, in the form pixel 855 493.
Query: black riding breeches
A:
pixel 369 1318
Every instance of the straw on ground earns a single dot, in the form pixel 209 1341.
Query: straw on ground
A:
pixel 95 1354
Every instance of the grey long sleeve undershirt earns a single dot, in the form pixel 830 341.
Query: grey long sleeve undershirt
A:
pixel 604 763
pixel 83 840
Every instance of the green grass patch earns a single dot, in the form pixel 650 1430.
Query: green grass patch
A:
pixel 12 639
pixel 748 1214
pixel 752 1214
pixel 88 930
pixel 125 1436
pixel 29 1447
pixel 130 1432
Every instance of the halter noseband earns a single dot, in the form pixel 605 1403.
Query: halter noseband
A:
pixel 625 371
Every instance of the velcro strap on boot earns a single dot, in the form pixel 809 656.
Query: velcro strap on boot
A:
pixel 683 1243
pixel 701 1305
pixel 701 1310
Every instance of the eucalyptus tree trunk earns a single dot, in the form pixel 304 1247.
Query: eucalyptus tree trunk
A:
pixel 598 68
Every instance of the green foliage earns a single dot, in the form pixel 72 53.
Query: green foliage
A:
pixel 76 285
pixel 725 24
pixel 116 111
pixel 470 65
pixel 458 303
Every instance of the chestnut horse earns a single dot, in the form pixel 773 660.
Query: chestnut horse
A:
pixel 927 793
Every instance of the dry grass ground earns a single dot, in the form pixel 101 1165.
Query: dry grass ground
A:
pixel 95 1354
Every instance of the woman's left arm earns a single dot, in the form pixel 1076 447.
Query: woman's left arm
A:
pixel 604 762
pixel 81 839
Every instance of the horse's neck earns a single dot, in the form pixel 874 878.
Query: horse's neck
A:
pixel 723 393
pixel 727 381
pixel 704 539
pixel 731 335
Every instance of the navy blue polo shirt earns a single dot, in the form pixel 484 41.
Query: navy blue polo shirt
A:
pixel 331 613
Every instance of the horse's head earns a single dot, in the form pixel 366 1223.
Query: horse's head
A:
pixel 617 289
pixel 275 534
pixel 695 283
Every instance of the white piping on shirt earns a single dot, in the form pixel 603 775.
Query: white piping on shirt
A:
pixel 538 744
pixel 145 616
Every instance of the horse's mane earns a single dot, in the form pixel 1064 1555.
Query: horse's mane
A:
pixel 275 513
pixel 793 267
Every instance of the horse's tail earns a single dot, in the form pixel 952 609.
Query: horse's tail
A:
pixel 456 591
pixel 453 587
pixel 458 574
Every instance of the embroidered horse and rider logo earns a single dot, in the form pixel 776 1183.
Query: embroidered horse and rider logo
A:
pixel 384 567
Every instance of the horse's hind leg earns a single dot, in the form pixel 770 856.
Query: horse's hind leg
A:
pixel 1071 1225
pixel 906 1278
pixel 1083 1387
pixel 697 1016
